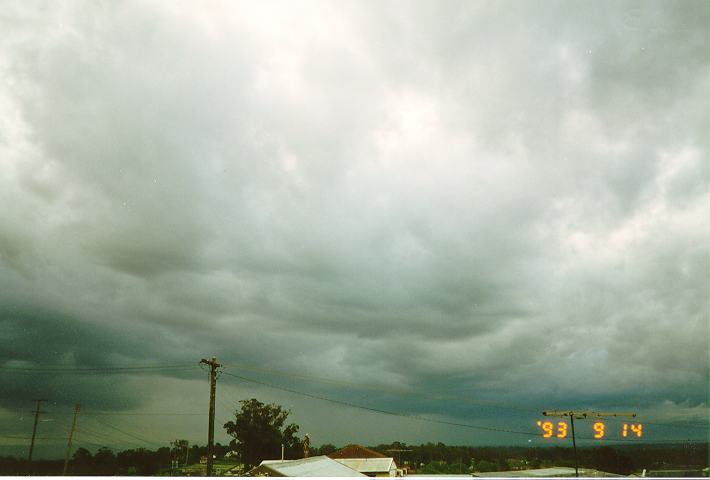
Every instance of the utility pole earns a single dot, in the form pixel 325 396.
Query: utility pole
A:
pixel 77 407
pixel 581 415
pixel 574 446
pixel 210 427
pixel 34 433
pixel 172 457
pixel 399 454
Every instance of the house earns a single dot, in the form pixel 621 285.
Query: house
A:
pixel 367 461
pixel 372 467
pixel 355 451
pixel 320 466
pixel 547 473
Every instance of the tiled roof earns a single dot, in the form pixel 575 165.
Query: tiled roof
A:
pixel 355 451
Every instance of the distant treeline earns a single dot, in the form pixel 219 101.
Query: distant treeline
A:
pixel 623 459
pixel 104 461
pixel 425 458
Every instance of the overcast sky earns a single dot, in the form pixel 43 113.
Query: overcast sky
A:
pixel 467 211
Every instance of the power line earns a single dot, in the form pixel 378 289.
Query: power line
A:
pixel 156 414
pixel 134 414
pixel 433 396
pixel 111 440
pixel 108 367
pixel 404 415
pixel 103 436
pixel 377 410
pixel 396 391
pixel 87 442
pixel 17 437
pixel 131 435
pixel 640 419
pixel 92 370
pixel 82 434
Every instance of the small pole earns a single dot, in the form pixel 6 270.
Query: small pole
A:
pixel 574 445
pixel 172 458
pixel 34 433
pixel 282 452
pixel 306 446
pixel 71 435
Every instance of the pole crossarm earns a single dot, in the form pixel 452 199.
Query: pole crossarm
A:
pixel 586 414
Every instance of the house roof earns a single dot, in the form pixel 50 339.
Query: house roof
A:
pixel 548 472
pixel 369 465
pixel 320 466
pixel 355 451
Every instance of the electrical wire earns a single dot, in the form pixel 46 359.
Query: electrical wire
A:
pixel 105 437
pixel 405 415
pixel 131 414
pixel 82 442
pixel 433 396
pixel 376 410
pixel 180 367
pixel 48 370
pixel 17 437
pixel 82 436
pixel 131 435
pixel 138 414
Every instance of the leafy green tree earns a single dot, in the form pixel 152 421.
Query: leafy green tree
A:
pixel 258 431
pixel 138 462
pixel 485 466
pixel 326 448
pixel 82 462
pixel 104 462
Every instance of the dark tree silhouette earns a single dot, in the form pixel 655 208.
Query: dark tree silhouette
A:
pixel 258 431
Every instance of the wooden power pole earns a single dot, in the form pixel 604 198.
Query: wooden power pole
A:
pixel 77 407
pixel 210 427
pixel 34 433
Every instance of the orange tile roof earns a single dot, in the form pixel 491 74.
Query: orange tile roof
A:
pixel 355 451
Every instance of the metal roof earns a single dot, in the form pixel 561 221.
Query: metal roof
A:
pixel 548 472
pixel 369 465
pixel 320 466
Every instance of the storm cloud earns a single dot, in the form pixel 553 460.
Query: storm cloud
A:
pixel 490 200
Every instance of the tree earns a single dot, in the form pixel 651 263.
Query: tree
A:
pixel 82 462
pixel 104 462
pixel 139 461
pixel 258 431
pixel 326 448
pixel 485 466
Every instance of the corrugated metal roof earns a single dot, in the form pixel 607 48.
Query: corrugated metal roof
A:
pixel 369 465
pixel 320 466
pixel 548 472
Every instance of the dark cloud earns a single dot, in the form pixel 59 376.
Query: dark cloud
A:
pixel 466 199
